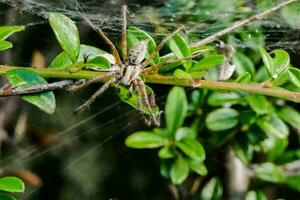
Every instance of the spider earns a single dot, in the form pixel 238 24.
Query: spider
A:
pixel 128 71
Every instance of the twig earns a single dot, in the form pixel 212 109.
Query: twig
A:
pixel 241 23
pixel 14 91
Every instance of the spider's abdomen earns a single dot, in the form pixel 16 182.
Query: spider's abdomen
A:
pixel 131 73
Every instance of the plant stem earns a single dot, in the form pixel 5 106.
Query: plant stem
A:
pixel 254 88
pixel 240 24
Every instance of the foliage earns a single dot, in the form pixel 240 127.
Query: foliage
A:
pixel 8 185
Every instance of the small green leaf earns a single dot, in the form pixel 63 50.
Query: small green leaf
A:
pixel 222 119
pixel 268 61
pixel 294 182
pixel 166 152
pixel 244 78
pixel 255 195
pixel 294 76
pixel 243 149
pixel 135 35
pixel 243 64
pixel 185 132
pixel 272 125
pixel 143 139
pixel 11 184
pixel 212 190
pixel 26 78
pixel 132 100
pixel 6 197
pixel 198 167
pixel 258 103
pixel 176 109
pixel 208 61
pixel 5 45
pixel 290 115
pixel 180 74
pixel 270 172
pixel 179 171
pixel 192 148
pixel 219 99
pixel 281 62
pixel 6 31
pixel 66 33
pixel 181 49
pixel 96 56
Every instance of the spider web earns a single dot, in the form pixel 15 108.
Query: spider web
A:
pixel 157 18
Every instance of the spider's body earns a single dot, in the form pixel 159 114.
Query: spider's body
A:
pixel 128 72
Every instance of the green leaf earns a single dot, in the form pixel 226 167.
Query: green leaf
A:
pixel 179 171
pixel 11 184
pixel 268 61
pixel 258 103
pixel 6 197
pixel 5 45
pixel 180 74
pixel 219 99
pixel 290 115
pixel 208 61
pixel 294 182
pixel 270 172
pixel 244 78
pixel 181 49
pixel 192 148
pixel 176 109
pixel 185 132
pixel 62 60
pixel 274 147
pixel 135 35
pixel 222 119
pixel 212 190
pixel 273 126
pixel 281 62
pixel 6 31
pixel 66 33
pixel 26 78
pixel 132 99
pixel 255 195
pixel 166 152
pixel 198 167
pixel 143 139
pixel 294 76
pixel 243 64
pixel 243 149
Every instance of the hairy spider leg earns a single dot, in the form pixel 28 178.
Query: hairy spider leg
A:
pixel 160 46
pixel 124 33
pixel 144 95
pixel 83 83
pixel 105 38
pixel 148 122
pixel 98 93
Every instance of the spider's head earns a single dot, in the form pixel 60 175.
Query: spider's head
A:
pixel 137 53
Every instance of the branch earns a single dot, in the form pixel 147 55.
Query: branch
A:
pixel 254 88
pixel 241 23
pixel 14 91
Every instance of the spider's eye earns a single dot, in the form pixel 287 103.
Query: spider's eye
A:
pixel 137 53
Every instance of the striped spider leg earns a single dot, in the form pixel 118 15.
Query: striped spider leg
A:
pixel 127 72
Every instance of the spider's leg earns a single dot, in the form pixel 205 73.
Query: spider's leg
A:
pixel 95 95
pixel 124 33
pixel 146 101
pixel 138 89
pixel 160 46
pixel 105 38
pixel 83 83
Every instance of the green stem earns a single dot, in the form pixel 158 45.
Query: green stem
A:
pixel 255 88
